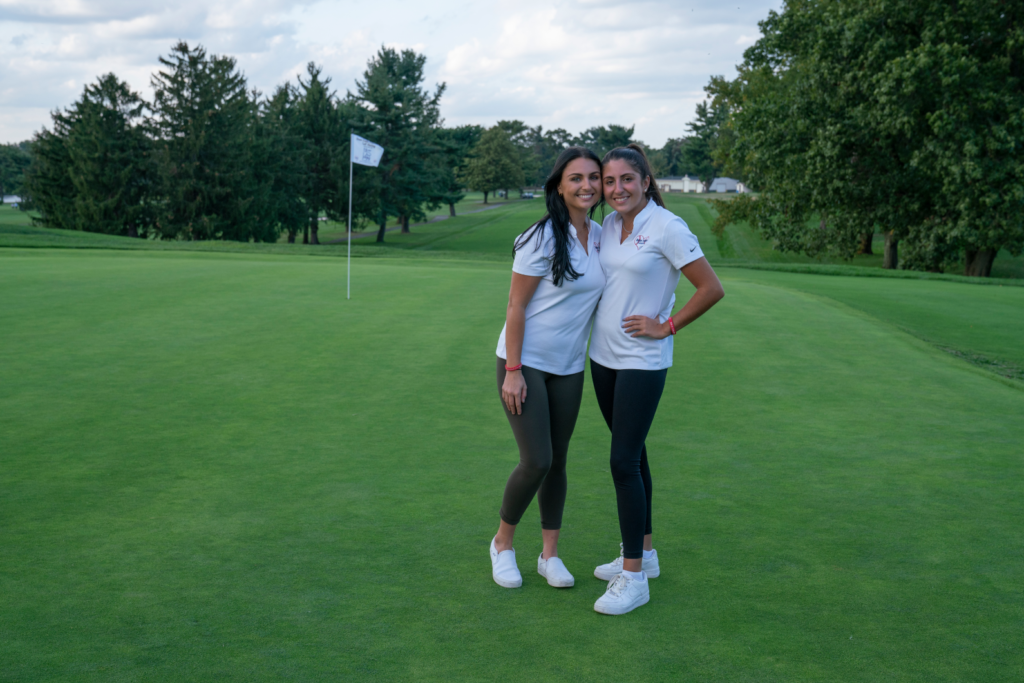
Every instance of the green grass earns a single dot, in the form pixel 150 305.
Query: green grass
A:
pixel 982 323
pixel 473 202
pixel 215 467
pixel 13 217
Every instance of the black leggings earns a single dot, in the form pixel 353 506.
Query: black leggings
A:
pixel 628 401
pixel 542 431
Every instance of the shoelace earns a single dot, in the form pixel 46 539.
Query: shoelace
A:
pixel 617 562
pixel 618 585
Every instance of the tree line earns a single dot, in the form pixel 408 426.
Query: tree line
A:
pixel 211 158
pixel 905 118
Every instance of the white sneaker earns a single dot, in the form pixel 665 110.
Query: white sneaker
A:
pixel 553 569
pixel 503 568
pixel 624 594
pixel 607 572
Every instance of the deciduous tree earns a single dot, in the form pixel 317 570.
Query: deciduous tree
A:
pixel 903 116
pixel 699 151
pixel 495 163
pixel 603 139
pixel 457 144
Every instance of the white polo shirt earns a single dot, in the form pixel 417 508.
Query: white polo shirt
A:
pixel 558 319
pixel 642 275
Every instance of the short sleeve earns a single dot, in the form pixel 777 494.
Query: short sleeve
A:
pixel 679 245
pixel 534 257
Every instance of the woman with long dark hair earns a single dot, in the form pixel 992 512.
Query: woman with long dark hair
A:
pixel 556 283
pixel 644 251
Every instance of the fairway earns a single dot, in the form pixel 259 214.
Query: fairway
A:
pixel 215 467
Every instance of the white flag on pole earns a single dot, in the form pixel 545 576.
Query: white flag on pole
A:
pixel 365 152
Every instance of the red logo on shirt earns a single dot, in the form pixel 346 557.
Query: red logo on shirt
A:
pixel 640 241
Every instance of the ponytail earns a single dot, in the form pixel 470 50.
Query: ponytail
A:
pixel 634 155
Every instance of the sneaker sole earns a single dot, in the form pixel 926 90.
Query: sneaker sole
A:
pixel 646 599
pixel 507 584
pixel 560 585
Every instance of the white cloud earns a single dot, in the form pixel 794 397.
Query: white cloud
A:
pixel 557 63
pixel 579 63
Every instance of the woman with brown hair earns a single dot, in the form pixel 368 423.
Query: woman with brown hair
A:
pixel 556 283
pixel 644 250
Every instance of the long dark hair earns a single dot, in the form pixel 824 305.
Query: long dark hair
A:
pixel 558 214
pixel 634 155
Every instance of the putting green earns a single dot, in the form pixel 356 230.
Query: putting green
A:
pixel 216 467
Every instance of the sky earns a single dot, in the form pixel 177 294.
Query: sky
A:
pixel 569 64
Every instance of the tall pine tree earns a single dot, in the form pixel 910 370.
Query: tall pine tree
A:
pixel 398 114
pixel 319 126
pixel 278 168
pixel 48 178
pixel 203 118
pixel 93 170
pixel 111 162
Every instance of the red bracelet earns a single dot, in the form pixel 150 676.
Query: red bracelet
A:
pixel 508 369
pixel 672 326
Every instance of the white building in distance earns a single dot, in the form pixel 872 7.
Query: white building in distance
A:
pixel 685 183
pixel 727 185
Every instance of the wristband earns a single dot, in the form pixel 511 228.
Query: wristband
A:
pixel 672 326
pixel 516 367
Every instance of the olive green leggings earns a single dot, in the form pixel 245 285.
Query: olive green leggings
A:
pixel 542 431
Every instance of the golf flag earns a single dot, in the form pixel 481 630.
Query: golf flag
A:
pixel 365 152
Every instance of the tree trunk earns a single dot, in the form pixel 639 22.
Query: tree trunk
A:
pixel 451 208
pixel 865 242
pixel 305 235
pixel 133 231
pixel 291 236
pixel 485 196
pixel 383 227
pixel 314 228
pixel 891 259
pixel 979 262
pixel 405 225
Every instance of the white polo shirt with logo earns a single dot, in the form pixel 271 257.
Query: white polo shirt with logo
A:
pixel 642 274
pixel 558 319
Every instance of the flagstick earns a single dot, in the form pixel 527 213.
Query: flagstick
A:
pixel 349 273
